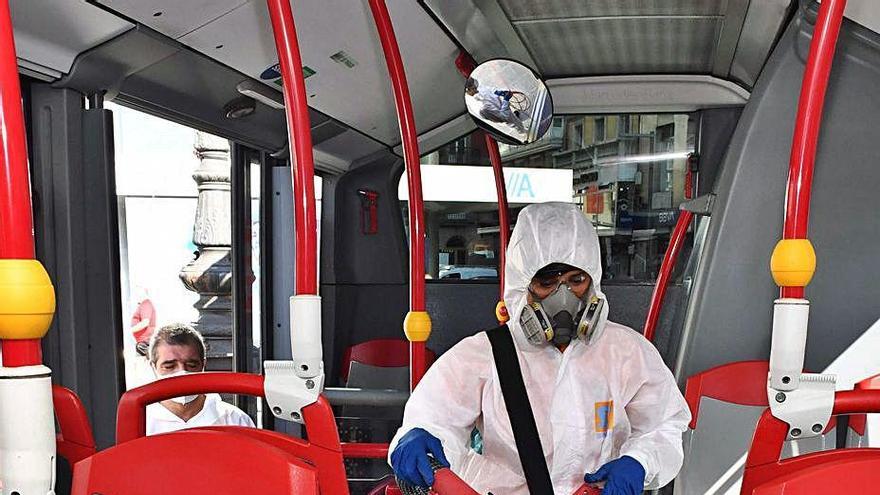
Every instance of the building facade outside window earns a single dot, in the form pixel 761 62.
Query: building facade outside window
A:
pixel 628 173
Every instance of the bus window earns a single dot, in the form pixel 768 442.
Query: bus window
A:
pixel 173 197
pixel 627 172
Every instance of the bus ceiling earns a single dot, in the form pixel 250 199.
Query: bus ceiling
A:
pixel 185 64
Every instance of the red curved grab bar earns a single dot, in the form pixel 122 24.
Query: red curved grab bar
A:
pixel 448 483
pixel 131 415
pixel 321 449
pixel 16 220
pixel 809 118
pixel 676 241
pixel 300 138
pixel 762 462
pixel 365 450
pixel 410 142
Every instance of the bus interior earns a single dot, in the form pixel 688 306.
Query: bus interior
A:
pixel 686 131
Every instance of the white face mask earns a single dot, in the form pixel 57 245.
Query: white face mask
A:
pixel 183 399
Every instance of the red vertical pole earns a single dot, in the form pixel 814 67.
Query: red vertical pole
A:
pixel 465 65
pixel 300 137
pixel 676 241
pixel 16 222
pixel 809 118
pixel 409 138
pixel 503 223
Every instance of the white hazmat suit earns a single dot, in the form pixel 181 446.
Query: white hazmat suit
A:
pixel 598 400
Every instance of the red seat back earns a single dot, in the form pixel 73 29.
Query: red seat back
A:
pixel 383 353
pixel 74 440
pixel 742 382
pixel 194 461
pixel 322 449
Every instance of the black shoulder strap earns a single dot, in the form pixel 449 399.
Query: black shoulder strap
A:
pixel 522 420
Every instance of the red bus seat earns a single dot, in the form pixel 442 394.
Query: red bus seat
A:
pixel 818 472
pixel 194 461
pixel 322 449
pixel 725 403
pixel 375 364
pixel 838 472
pixel 379 353
pixel 857 435
pixel 74 441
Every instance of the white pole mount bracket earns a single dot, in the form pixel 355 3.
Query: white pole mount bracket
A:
pixel 803 400
pixel 286 392
pixel 807 410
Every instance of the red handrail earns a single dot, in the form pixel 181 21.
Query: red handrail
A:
pixel 322 449
pixel 16 222
pixel 409 139
pixel 503 223
pixel 410 144
pixel 465 65
pixel 676 241
pixel 809 118
pixel 300 137
pixel 354 450
pixel 503 212
pixel 131 415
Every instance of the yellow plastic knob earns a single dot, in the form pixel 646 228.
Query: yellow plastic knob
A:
pixel 417 326
pixel 501 313
pixel 27 300
pixel 793 262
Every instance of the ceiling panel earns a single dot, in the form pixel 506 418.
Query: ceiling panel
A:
pixel 546 9
pixel 359 96
pixel 636 45
pixel 173 18
pixel 49 34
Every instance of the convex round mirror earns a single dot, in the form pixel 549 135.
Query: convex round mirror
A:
pixel 508 100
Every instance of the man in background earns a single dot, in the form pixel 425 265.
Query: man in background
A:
pixel 176 350
pixel 495 104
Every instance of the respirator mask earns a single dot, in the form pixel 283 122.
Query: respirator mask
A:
pixel 556 314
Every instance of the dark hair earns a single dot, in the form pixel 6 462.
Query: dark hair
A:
pixel 177 334
pixel 471 83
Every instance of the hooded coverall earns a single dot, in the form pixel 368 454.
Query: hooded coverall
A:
pixel 600 399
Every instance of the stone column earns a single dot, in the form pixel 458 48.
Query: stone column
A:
pixel 210 273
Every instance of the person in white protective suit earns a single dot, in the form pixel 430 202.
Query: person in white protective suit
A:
pixel 607 408
pixel 494 104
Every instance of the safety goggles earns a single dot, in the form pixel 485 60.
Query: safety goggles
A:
pixel 543 286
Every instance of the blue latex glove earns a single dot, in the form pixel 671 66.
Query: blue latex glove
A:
pixel 623 476
pixel 410 458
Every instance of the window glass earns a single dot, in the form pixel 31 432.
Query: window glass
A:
pixel 628 173
pixel 174 204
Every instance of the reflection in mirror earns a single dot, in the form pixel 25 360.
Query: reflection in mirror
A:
pixel 509 100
